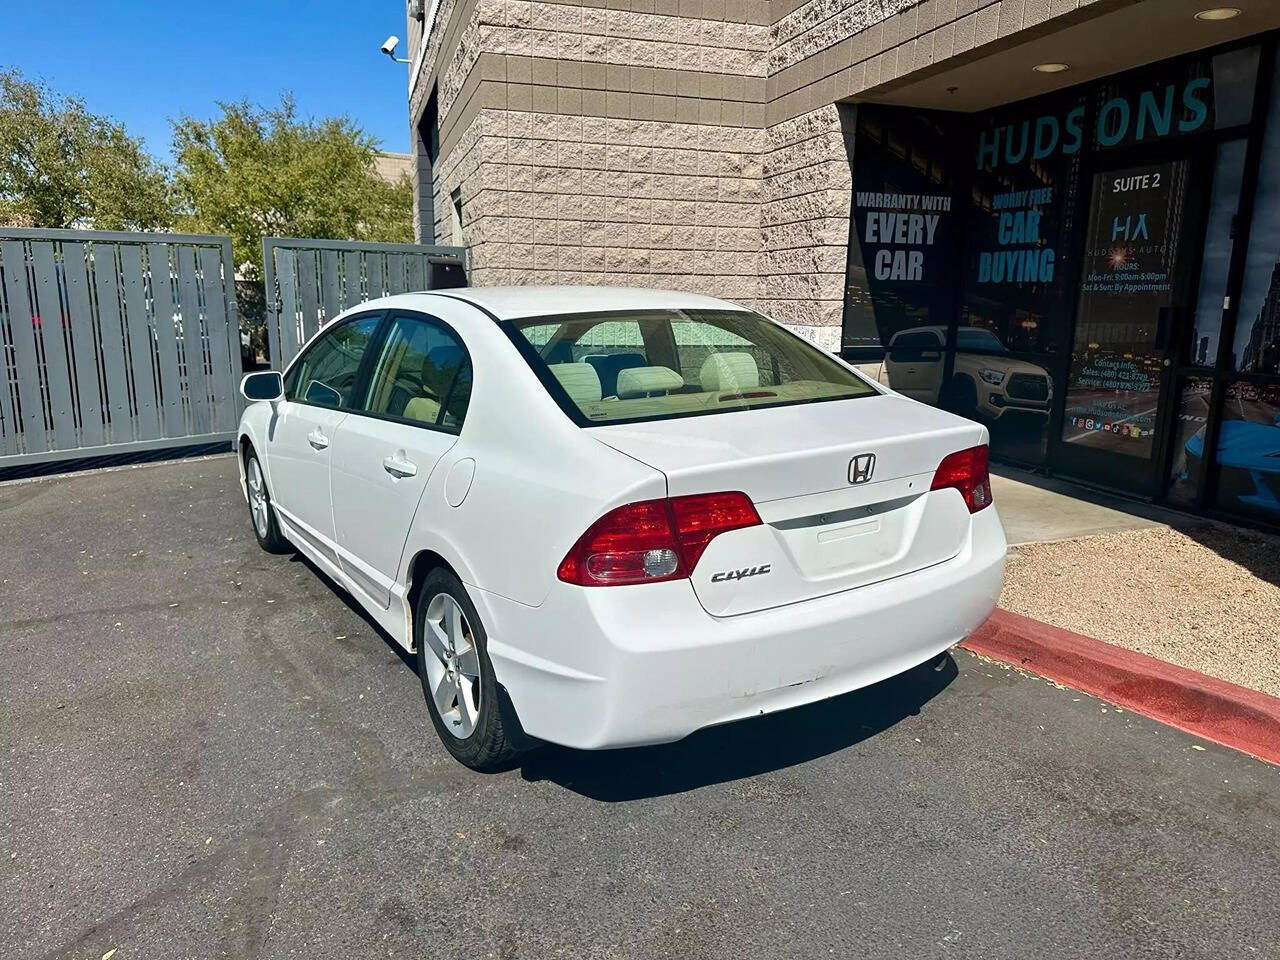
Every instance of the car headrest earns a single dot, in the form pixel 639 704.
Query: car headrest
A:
pixel 608 365
pixel 729 371
pixel 421 409
pixel 579 380
pixel 639 381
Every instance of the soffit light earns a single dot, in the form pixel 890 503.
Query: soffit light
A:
pixel 1051 67
pixel 1219 13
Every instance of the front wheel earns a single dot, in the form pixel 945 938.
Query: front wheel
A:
pixel 457 677
pixel 265 528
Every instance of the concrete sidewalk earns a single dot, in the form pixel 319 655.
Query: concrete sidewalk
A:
pixel 1038 509
pixel 1193 592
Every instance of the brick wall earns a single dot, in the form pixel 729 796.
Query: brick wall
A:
pixel 692 144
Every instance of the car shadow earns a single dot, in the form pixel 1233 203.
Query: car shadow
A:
pixel 405 657
pixel 745 748
pixel 732 751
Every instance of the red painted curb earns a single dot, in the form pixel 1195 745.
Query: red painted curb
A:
pixel 1233 716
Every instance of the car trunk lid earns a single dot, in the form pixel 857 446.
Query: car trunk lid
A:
pixel 821 533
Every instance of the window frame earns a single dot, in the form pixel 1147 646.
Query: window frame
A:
pixel 362 371
pixel 365 379
pixel 537 364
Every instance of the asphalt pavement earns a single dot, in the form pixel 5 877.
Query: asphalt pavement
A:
pixel 206 751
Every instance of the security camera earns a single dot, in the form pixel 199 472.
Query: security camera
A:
pixel 389 46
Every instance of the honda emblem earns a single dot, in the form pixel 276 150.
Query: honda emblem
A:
pixel 861 467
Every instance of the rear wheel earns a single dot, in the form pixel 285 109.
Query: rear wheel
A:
pixel 457 677
pixel 964 398
pixel 265 528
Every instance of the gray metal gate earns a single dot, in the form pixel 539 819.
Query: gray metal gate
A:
pixel 309 282
pixel 115 342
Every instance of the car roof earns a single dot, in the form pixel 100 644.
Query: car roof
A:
pixel 512 303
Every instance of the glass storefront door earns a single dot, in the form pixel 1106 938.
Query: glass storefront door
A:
pixel 1133 282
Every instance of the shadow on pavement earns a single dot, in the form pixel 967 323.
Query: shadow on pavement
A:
pixel 1256 551
pixel 718 754
pixel 407 658
pixel 745 748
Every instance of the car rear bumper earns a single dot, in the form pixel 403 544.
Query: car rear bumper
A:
pixel 622 666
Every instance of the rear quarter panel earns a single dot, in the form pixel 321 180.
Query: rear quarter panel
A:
pixel 539 479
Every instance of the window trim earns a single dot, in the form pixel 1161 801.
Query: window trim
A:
pixel 539 367
pixel 361 371
pixel 366 375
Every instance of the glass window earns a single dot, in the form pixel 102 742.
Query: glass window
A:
pixel 1011 395
pixel 1219 236
pixel 900 264
pixel 1017 252
pixel 911 343
pixel 1235 75
pixel 1175 100
pixel 325 375
pixel 976 338
pixel 647 365
pixel 416 374
pixel 1257 345
pixel 1249 451
pixel 457 399
pixel 1188 443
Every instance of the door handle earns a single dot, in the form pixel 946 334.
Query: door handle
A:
pixel 317 439
pixel 399 467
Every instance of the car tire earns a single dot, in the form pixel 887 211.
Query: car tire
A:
pixel 457 677
pixel 964 398
pixel 262 515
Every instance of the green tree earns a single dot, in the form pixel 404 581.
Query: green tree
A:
pixel 62 166
pixel 262 171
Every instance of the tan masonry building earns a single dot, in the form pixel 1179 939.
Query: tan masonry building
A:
pixel 1060 217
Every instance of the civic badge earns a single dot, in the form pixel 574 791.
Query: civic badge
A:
pixel 861 467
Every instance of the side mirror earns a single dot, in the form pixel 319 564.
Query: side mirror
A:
pixel 264 385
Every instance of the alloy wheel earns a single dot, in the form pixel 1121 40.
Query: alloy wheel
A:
pixel 257 498
pixel 453 668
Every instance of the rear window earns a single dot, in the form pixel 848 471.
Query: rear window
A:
pixel 626 366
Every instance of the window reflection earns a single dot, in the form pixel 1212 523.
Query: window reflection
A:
pixel 1189 427
pixel 1257 343
pixel 1011 395
pixel 1248 453
pixel 1202 351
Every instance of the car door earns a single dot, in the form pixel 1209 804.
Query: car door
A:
pixel 418 389
pixel 319 388
pixel 914 364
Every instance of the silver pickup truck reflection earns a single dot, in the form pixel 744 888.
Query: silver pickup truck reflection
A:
pixel 983 386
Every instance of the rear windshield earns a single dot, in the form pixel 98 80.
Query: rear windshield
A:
pixel 625 366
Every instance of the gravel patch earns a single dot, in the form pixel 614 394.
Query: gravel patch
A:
pixel 1205 598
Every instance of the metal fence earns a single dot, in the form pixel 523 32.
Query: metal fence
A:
pixel 115 342
pixel 309 282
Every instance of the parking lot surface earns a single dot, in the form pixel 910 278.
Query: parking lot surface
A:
pixel 206 751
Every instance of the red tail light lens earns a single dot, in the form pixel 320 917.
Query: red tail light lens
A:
pixel 702 517
pixel 653 540
pixel 966 471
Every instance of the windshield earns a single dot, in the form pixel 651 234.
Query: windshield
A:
pixel 976 338
pixel 624 366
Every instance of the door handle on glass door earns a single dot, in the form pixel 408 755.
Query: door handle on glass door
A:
pixel 399 467
pixel 317 439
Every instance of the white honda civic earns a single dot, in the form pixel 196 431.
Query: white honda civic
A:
pixel 607 517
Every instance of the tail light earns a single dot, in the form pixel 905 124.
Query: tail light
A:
pixel 966 471
pixel 653 540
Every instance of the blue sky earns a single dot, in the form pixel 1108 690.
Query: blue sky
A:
pixel 143 61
